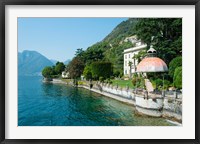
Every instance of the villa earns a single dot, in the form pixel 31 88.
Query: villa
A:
pixel 129 53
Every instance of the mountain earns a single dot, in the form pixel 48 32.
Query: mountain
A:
pixel 67 61
pixel 53 61
pixel 121 31
pixel 31 63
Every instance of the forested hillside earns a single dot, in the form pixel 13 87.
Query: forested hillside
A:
pixel 113 45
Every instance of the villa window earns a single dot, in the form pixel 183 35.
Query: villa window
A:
pixel 125 56
pixel 129 55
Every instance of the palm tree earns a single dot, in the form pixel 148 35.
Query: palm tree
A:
pixel 130 64
pixel 134 58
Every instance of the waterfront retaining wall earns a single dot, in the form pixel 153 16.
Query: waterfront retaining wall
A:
pixel 151 105
pixel 172 108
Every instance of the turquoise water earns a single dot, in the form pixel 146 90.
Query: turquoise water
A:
pixel 43 104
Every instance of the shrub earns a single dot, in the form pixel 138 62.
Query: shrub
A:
pixel 166 84
pixel 158 83
pixel 116 73
pixel 176 62
pixel 101 69
pixel 138 81
pixel 87 72
pixel 112 77
pixel 178 77
pixel 108 81
pixel 81 83
pixel 101 79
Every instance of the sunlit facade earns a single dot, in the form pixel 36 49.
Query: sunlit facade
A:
pixel 128 57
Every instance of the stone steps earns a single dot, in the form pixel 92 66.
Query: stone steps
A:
pixel 149 86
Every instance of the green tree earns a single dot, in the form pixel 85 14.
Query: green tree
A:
pixel 130 66
pixel 59 67
pixel 167 33
pixel 176 62
pixel 75 67
pixel 141 54
pixel 87 72
pixel 178 77
pixel 79 52
pixel 92 55
pixel 47 72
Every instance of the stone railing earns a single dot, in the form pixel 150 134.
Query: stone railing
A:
pixel 167 105
pixel 126 93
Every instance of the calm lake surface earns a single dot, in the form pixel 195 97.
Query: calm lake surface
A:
pixel 42 104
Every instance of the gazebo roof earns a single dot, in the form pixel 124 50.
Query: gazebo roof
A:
pixel 151 50
pixel 152 64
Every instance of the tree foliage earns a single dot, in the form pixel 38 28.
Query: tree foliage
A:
pixel 87 72
pixel 90 55
pixel 138 81
pixel 138 57
pixel 166 33
pixel 101 69
pixel 47 72
pixel 59 68
pixel 75 67
pixel 176 62
pixel 178 77
pixel 123 30
pixel 79 52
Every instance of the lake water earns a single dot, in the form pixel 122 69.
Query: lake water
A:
pixel 43 104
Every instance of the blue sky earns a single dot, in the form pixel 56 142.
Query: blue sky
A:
pixel 58 38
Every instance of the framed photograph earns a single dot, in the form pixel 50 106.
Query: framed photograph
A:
pixel 99 72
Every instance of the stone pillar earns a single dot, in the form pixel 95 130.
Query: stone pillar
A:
pixel 175 95
pixel 163 93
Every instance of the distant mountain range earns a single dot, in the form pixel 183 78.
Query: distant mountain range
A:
pixel 55 61
pixel 31 63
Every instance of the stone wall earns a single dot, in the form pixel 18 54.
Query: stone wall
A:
pixel 118 91
pixel 172 108
pixel 155 105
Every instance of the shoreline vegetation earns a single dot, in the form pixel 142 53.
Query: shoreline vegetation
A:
pixel 130 101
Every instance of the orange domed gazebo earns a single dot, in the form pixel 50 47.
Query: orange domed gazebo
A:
pixel 151 63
